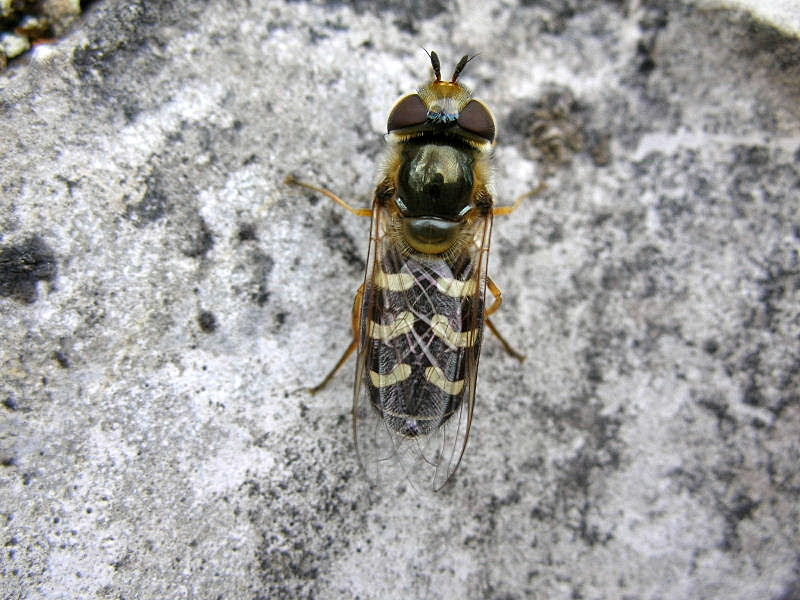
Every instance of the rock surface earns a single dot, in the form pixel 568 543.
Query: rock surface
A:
pixel 165 300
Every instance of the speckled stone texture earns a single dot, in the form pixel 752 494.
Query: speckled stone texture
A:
pixel 165 300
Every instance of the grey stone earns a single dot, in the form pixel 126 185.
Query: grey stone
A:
pixel 167 300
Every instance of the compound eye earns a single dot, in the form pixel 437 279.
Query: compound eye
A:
pixel 477 118
pixel 408 111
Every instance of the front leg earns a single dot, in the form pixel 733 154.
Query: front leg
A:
pixel 359 212
pixel 507 210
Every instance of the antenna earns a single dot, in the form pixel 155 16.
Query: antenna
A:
pixel 460 66
pixel 437 68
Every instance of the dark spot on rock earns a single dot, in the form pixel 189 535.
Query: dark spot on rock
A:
pixel 10 404
pixel 198 242
pixel 743 507
pixel 739 508
pixel 61 359
pixel 128 38
pixel 312 198
pixel 601 218
pixel 7 461
pixel 651 23
pixel 791 592
pixel 711 346
pixel 207 321
pixel 121 562
pixel 557 13
pixel 407 24
pixel 647 63
pixel 672 209
pixel 419 9
pixel 27 478
pixel 594 373
pixel 766 39
pixel 338 240
pixel 578 476
pixel 610 279
pixel 551 126
pixel 153 205
pixel 316 36
pixel 726 424
pixel 263 267
pixel 598 144
pixel 778 279
pixel 246 233
pixel 408 13
pixel 130 109
pixel 556 233
pixel 23 265
pixel 690 481
pixel 752 394
pixel 262 441
pixel 756 156
pixel 654 18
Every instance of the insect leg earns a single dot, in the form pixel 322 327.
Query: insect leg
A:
pixel 498 297
pixel 507 210
pixel 498 302
pixel 506 346
pixel 360 212
pixel 347 354
pixel 353 344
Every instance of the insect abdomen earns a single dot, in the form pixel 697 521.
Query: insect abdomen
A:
pixel 420 344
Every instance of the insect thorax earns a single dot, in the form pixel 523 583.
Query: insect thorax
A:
pixel 435 180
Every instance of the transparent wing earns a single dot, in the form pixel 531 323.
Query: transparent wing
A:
pixel 419 345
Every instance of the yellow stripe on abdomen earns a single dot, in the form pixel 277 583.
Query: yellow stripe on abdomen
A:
pixel 404 323
pixel 457 339
pixel 436 376
pixel 455 288
pixel 394 282
pixel 400 373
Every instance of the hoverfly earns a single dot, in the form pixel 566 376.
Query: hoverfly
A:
pixel 418 317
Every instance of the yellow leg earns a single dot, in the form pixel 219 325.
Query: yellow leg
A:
pixel 353 344
pixel 498 297
pixel 343 359
pixel 360 212
pixel 507 210
pixel 498 302
pixel 506 346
